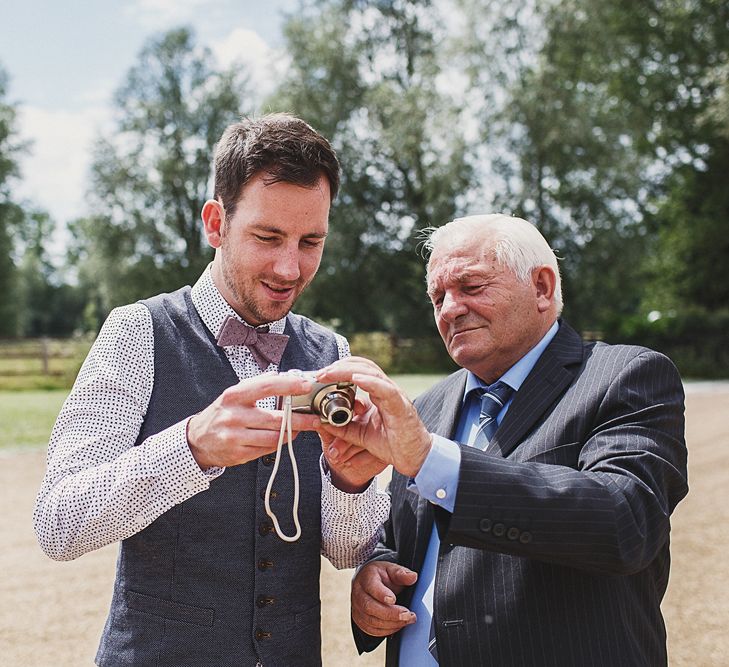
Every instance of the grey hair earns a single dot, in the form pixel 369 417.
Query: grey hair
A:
pixel 517 244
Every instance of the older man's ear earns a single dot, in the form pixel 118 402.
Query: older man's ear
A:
pixel 544 281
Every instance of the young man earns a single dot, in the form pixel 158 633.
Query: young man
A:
pixel 165 441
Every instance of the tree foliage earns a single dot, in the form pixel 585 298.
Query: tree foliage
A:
pixel 48 304
pixel 11 214
pixel 369 75
pixel 613 131
pixel 605 124
pixel 150 177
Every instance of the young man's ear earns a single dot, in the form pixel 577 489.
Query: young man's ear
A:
pixel 213 215
pixel 544 281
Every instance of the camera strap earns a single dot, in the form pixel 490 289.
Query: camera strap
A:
pixel 285 432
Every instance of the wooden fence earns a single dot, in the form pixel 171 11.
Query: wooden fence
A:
pixel 40 362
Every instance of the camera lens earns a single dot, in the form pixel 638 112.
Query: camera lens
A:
pixel 339 416
pixel 336 408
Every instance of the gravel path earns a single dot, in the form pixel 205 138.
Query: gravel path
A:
pixel 51 614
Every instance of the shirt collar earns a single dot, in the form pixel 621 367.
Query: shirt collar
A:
pixel 213 308
pixel 516 375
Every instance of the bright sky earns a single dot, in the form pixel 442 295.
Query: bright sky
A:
pixel 65 60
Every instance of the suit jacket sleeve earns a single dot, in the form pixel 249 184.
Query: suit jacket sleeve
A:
pixel 592 486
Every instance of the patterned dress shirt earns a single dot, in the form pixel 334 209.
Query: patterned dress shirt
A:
pixel 99 488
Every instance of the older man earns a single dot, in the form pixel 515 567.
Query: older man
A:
pixel 533 487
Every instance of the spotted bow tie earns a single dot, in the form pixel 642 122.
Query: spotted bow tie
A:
pixel 266 348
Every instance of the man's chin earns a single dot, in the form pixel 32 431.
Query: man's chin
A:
pixel 271 312
pixel 462 353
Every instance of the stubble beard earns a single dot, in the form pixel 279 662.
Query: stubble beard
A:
pixel 253 310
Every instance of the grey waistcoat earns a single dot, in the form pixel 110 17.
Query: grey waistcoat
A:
pixel 209 583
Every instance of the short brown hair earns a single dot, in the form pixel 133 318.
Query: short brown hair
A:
pixel 281 146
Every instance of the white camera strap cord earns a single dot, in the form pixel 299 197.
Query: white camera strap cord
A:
pixel 285 431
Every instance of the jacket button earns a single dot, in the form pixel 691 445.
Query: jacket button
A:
pixel 274 494
pixel 265 564
pixel 485 525
pixel 513 533
pixel 525 537
pixel 265 528
pixel 262 634
pixel 268 460
pixel 499 529
pixel 265 601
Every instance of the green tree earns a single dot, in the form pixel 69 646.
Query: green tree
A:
pixel 369 75
pixel 150 178
pixel 11 214
pixel 609 123
pixel 48 304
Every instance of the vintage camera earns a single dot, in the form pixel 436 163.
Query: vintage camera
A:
pixel 332 401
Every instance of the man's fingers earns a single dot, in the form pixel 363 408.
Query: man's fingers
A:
pixel 247 392
pixel 247 417
pixel 326 438
pixel 401 577
pixel 379 388
pixel 340 451
pixel 382 580
pixel 376 617
pixel 386 620
pixel 361 405
pixel 373 599
pixel 342 370
pixel 372 585
pixel 352 433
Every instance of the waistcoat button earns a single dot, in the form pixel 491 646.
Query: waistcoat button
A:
pixel 265 601
pixel 262 634
pixel 265 564
pixel 274 494
pixel 268 460
pixel 265 528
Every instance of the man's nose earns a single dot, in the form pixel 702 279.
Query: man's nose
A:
pixel 452 308
pixel 286 266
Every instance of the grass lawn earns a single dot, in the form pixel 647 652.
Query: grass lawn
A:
pixel 413 385
pixel 26 417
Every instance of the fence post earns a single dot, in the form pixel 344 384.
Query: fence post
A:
pixel 45 355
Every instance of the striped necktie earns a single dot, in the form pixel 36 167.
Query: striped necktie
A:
pixel 493 399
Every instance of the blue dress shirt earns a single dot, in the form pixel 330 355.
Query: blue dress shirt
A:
pixel 437 482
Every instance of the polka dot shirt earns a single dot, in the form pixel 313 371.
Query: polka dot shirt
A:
pixel 99 488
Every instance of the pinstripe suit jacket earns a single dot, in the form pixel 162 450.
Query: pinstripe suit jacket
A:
pixel 557 552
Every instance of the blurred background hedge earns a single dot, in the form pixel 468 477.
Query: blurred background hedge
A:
pixel 697 341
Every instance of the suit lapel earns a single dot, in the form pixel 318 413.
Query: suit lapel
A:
pixel 445 424
pixel 550 377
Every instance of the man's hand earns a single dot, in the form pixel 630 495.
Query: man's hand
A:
pixel 232 430
pixel 386 424
pixel 352 468
pixel 374 591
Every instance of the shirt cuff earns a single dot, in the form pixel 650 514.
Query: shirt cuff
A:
pixel 350 522
pixel 170 452
pixel 437 480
